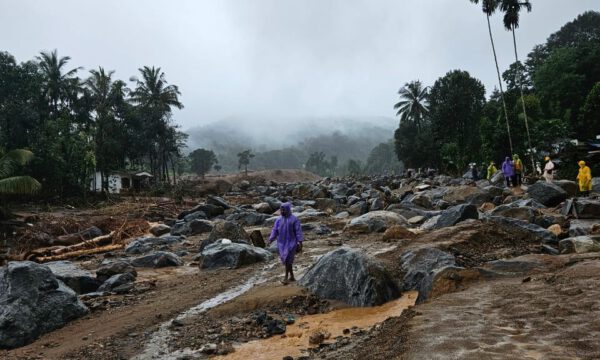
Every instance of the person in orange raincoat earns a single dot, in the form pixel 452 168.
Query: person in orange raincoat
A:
pixel 585 178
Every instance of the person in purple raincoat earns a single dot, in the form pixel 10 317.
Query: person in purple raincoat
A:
pixel 508 169
pixel 288 232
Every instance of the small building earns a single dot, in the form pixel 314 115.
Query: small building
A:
pixel 121 181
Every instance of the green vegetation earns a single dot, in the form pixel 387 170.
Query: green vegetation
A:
pixel 9 182
pixel 202 161
pixel 552 97
pixel 79 125
pixel 244 159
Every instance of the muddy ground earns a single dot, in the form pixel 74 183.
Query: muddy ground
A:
pixel 550 312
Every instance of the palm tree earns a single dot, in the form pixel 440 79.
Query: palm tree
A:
pixel 157 99
pixel 16 184
pixel 512 9
pixel 489 7
pixel 413 105
pixel 57 82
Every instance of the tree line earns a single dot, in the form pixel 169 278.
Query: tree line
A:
pixel 550 98
pixel 77 123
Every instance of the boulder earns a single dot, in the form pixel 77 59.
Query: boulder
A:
pixel 326 205
pixel 263 208
pixel 34 302
pixel 522 213
pixel 548 194
pixel 420 268
pixel 453 216
pixel 579 245
pixel 581 227
pixel 415 220
pixel 397 232
pixel 545 236
pixel 249 218
pixel 467 194
pixel 570 187
pixel 160 229
pixel 195 216
pixel 144 244
pixel 81 281
pixel 376 204
pixel 350 276
pixel 217 201
pixel 422 200
pixel 157 260
pixel 375 221
pixel 587 208
pixel 106 270
pixel 228 230
pixel 116 281
pixel 257 239
pixel 555 229
pixel 596 184
pixel 359 208
pixel 200 226
pixel 232 255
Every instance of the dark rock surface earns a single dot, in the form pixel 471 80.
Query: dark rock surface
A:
pixel 232 255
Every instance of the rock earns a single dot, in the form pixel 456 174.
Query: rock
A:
pixel 211 210
pixel 34 302
pixel 397 232
pixel 263 208
pixel 350 276
pixel 570 187
pixel 376 204
pixel 160 229
pixel 596 184
pixel 249 218
pixel 217 201
pixel 521 213
pixel 467 194
pixel 555 229
pixel 326 205
pixel 107 270
pixel 486 207
pixel 420 268
pixel 310 214
pixel 233 255
pixel 81 281
pixel 115 281
pixel 157 260
pixel 145 244
pixel 359 208
pixel 415 220
pixel 257 239
pixel 544 235
pixel 78 237
pixel 581 227
pixel 422 200
pixel 194 216
pixel 375 221
pixel 579 245
pixel 587 209
pixel 181 228
pixel 342 215
pixel 322 229
pixel 200 226
pixel 227 230
pixel 453 216
pixel 244 184
pixel 547 193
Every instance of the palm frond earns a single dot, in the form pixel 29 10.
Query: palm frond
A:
pixel 19 185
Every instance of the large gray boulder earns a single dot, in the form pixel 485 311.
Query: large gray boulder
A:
pixel 587 208
pixel 579 227
pixel 596 184
pixel 570 187
pixel 78 279
pixel 375 221
pixel 145 244
pixel 157 260
pixel 33 302
pixel 452 216
pixel 232 255
pixel 226 230
pixel 116 280
pixel 545 236
pixel 420 268
pixel 108 269
pixel 579 245
pixel 249 218
pixel 350 276
pixel 547 193
pixel 521 213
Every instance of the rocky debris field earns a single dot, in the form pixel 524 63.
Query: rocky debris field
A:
pixel 514 270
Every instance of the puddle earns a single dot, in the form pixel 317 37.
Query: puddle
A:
pixel 296 339
pixel 157 347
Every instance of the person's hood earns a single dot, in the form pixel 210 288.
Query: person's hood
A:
pixel 287 208
pixel 507 159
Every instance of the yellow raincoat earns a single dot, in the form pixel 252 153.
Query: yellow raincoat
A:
pixel 491 170
pixel 584 177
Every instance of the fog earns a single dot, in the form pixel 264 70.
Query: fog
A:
pixel 277 62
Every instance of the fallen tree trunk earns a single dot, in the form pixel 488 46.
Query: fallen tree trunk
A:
pixel 77 253
pixel 94 243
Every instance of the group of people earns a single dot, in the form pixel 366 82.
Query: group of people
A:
pixel 512 169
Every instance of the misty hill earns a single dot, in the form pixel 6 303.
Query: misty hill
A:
pixel 287 143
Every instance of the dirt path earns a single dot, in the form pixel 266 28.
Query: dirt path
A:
pixel 116 333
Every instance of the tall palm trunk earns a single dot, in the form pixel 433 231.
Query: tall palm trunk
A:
pixel 500 84
pixel 518 81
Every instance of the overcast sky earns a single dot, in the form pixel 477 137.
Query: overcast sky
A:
pixel 278 58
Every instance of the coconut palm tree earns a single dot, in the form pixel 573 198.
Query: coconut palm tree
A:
pixel 512 10
pixel 413 105
pixel 10 184
pixel 489 7
pixel 57 81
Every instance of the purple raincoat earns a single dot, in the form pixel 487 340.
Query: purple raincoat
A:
pixel 288 232
pixel 508 168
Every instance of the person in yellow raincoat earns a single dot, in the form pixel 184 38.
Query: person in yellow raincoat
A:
pixel 491 170
pixel 585 178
